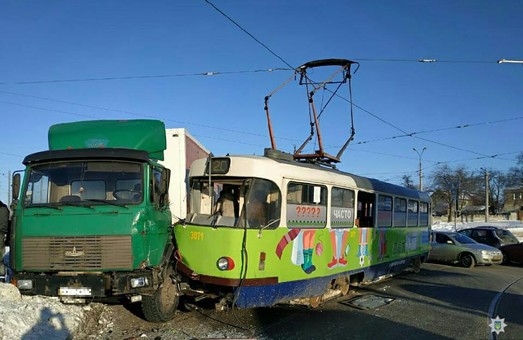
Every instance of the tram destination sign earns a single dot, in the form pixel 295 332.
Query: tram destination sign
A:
pixel 219 166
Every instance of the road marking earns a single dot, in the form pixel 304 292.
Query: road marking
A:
pixel 494 304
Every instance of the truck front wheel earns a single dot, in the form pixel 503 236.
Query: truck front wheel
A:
pixel 161 306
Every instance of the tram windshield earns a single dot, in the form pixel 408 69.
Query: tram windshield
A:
pixel 234 202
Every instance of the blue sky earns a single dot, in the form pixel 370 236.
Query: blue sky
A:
pixel 162 48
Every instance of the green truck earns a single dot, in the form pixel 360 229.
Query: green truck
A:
pixel 94 214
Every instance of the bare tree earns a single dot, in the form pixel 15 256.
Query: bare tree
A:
pixel 408 182
pixel 451 187
pixel 497 184
pixel 515 174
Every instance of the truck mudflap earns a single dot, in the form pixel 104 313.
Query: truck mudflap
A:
pixel 85 285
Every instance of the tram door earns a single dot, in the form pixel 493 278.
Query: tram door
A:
pixel 366 205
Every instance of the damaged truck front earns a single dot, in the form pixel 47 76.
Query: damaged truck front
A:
pixel 92 216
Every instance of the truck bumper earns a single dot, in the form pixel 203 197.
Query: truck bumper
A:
pixel 86 285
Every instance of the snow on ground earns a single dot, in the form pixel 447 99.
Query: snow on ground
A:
pixel 38 317
pixel 516 227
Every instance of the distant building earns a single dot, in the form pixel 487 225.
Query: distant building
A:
pixel 514 201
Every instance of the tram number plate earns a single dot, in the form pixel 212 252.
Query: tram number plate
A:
pixel 66 291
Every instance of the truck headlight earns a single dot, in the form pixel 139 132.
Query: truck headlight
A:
pixel 24 284
pixel 137 282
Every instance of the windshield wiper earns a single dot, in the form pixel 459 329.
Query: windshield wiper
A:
pixel 107 202
pixel 76 204
pixel 44 206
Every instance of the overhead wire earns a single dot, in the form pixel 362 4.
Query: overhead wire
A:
pixel 197 74
pixel 427 60
pixel 405 133
pixel 412 134
pixel 350 101
pixel 142 115
pixel 209 126
pixel 463 126
pixel 250 35
pixel 436 163
pixel 215 73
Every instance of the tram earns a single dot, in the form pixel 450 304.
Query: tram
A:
pixel 282 230
pixel 262 230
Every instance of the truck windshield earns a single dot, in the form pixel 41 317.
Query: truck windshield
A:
pixel 84 183
pixel 234 202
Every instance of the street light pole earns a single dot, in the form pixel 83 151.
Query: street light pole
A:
pixel 487 192
pixel 486 195
pixel 510 61
pixel 420 167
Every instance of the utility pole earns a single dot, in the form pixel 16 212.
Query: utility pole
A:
pixel 420 167
pixel 486 195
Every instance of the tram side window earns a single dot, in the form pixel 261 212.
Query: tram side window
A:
pixel 306 205
pixel 342 211
pixel 384 211
pixel 365 215
pixel 400 212
pixel 413 208
pixel 423 214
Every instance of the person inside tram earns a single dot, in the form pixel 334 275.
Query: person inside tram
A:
pixel 257 209
pixel 227 204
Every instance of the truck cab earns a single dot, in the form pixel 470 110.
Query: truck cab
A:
pixel 92 216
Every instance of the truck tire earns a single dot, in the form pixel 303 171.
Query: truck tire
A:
pixel 161 306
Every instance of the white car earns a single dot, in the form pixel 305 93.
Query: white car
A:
pixel 457 248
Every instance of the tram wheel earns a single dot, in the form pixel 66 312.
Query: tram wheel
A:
pixel 343 285
pixel 315 301
pixel 161 306
pixel 416 265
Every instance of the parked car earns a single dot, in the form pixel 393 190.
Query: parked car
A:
pixel 500 238
pixel 492 236
pixel 454 247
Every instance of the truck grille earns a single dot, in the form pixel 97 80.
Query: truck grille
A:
pixel 77 253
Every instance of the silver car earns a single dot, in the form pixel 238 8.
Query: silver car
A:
pixel 457 248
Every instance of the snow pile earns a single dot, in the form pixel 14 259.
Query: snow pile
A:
pixel 36 317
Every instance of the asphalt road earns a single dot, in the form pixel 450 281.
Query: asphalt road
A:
pixel 440 302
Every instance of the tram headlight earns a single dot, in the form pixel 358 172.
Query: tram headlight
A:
pixel 225 263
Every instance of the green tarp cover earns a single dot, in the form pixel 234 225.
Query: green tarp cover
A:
pixel 138 134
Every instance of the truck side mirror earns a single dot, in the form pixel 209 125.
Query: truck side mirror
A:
pixel 15 186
